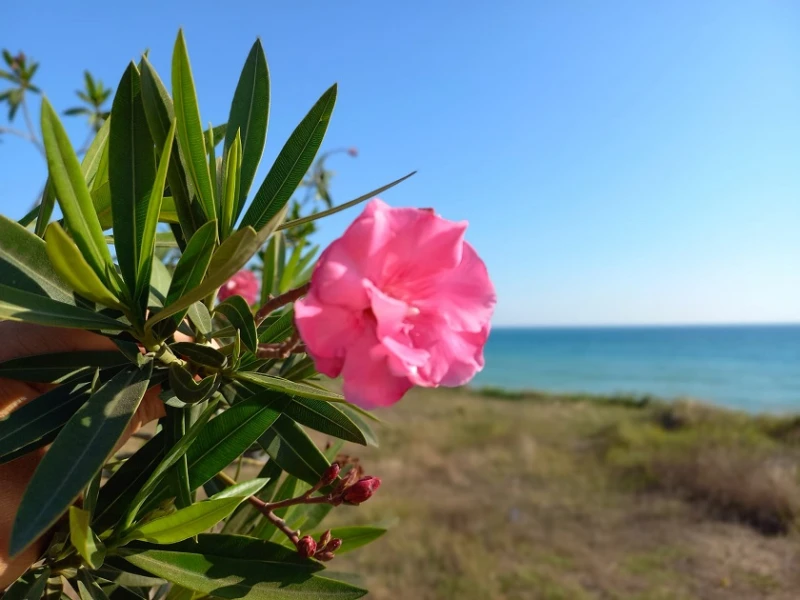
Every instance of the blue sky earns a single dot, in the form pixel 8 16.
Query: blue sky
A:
pixel 619 162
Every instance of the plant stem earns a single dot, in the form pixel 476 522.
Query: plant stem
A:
pixel 278 301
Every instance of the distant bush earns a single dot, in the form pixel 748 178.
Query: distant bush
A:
pixel 730 462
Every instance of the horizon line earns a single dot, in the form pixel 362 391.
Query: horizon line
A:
pixel 647 325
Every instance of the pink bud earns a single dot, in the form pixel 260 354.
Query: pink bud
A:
pixel 333 545
pixel 324 556
pixel 306 546
pixel 353 151
pixel 330 475
pixel 326 537
pixel 361 491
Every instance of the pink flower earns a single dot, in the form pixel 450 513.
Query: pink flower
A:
pixel 353 151
pixel 399 300
pixel 244 283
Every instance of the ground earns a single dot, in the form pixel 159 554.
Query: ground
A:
pixel 533 497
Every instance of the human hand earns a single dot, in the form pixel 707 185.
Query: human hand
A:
pixel 18 340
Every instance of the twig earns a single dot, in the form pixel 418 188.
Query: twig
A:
pixel 278 301
pixel 283 349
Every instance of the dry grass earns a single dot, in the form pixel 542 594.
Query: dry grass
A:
pixel 532 497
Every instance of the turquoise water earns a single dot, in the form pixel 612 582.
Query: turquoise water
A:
pixel 755 368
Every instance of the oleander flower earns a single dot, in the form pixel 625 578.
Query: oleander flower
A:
pixel 244 283
pixel 399 300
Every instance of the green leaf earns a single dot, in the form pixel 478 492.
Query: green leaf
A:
pixel 346 205
pixel 244 489
pixel 55 367
pixel 201 318
pixel 187 389
pixel 174 424
pixel 232 183
pixel 119 490
pixel 91 163
pixel 160 117
pixel 79 451
pixel 131 171
pixel 357 415
pixel 354 537
pixel 84 539
pixel 238 313
pixel 24 263
pixel 152 218
pixel 92 491
pixel 292 163
pixel 88 588
pixel 292 388
pixel 229 258
pixel 239 567
pixel 190 271
pixel 16 305
pixel 186 522
pixel 190 130
pixel 73 194
pixel 290 447
pixel 277 330
pixel 227 436
pixel 36 423
pixel 217 133
pixel 36 590
pixel 171 457
pixel 323 417
pixel 121 572
pixel 197 353
pixel 70 264
pixel 270 267
pixel 249 115
pixel 289 271
pixel 21 586
pixel 45 209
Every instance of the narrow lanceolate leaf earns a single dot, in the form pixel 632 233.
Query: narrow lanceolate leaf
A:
pixel 243 490
pixel 190 270
pixel 70 264
pixel 24 263
pixel 231 185
pixel 37 588
pixel 160 117
pixel 323 417
pixel 56 366
pixel 239 567
pixel 73 194
pixel 187 389
pixel 120 489
pixel 355 537
pixel 201 318
pixel 131 173
pixel 84 539
pixel 37 422
pixel 186 522
pixel 238 313
pixel 229 258
pixel 249 115
pixel 277 330
pixel 88 588
pixel 346 205
pixel 79 451
pixel 292 388
pixel 291 448
pixel 190 129
pixel 197 353
pixel 292 163
pixel 174 427
pixel 227 436
pixel 171 457
pixel 90 165
pixel 16 305
pixel 45 208
pixel 153 216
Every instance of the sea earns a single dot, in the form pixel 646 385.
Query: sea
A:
pixel 755 368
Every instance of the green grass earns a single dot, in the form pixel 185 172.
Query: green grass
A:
pixel 504 496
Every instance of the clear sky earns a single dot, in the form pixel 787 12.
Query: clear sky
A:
pixel 618 162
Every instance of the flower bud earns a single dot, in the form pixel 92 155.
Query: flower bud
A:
pixel 326 537
pixel 361 491
pixel 330 475
pixel 353 151
pixel 333 545
pixel 324 556
pixel 306 546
